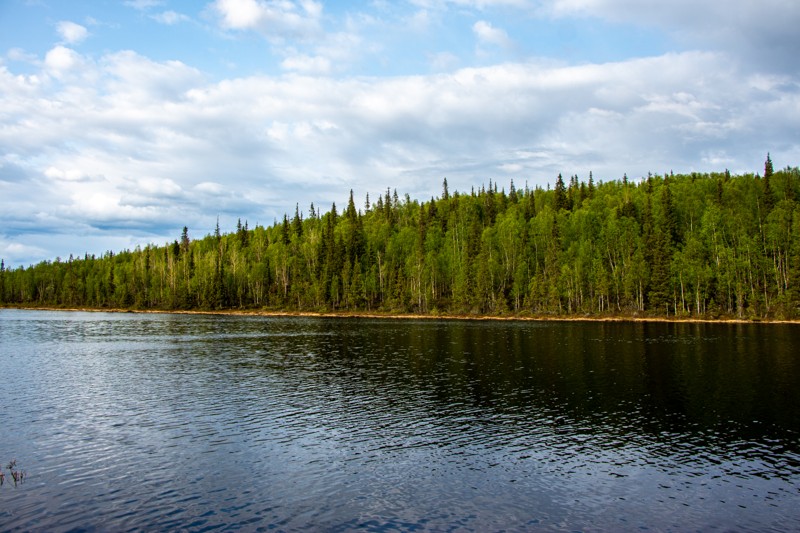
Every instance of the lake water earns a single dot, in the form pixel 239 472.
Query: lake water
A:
pixel 162 422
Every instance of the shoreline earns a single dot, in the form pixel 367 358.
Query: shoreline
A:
pixel 414 316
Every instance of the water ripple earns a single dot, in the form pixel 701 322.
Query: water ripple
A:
pixel 140 422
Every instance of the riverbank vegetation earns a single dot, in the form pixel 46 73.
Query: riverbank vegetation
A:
pixel 683 245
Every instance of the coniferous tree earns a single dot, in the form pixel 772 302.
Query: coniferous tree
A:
pixel 185 240
pixel 768 169
pixel 656 242
pixel 285 230
pixel 242 233
pixel 560 198
pixel 297 222
pixel 769 195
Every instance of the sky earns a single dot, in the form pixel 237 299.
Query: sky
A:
pixel 123 121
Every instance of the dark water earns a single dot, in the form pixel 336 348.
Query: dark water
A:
pixel 164 422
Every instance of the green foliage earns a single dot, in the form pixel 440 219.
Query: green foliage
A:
pixel 685 245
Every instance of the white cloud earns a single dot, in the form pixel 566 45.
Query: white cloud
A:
pixel 170 18
pixel 72 174
pixel 157 187
pixel 61 58
pixel 488 34
pixel 133 78
pixel 512 168
pixel 294 30
pixel 70 32
pixel 18 54
pixel 209 187
pixel 101 208
pixel 62 62
pixel 18 253
pixel 275 19
pixel 239 14
pixel 334 53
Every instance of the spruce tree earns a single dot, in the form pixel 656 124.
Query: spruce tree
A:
pixel 241 232
pixel 285 230
pixel 297 222
pixel 768 170
pixel 560 199
pixel 769 195
pixel 351 213
pixel 185 240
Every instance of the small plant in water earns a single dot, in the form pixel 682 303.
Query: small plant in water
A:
pixel 17 475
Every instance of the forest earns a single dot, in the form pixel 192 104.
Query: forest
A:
pixel 673 245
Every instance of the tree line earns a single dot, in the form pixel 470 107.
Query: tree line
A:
pixel 703 245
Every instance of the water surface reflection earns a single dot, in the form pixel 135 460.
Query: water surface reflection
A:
pixel 195 422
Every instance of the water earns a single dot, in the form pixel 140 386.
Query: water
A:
pixel 162 422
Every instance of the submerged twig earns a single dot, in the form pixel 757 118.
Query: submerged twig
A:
pixel 17 475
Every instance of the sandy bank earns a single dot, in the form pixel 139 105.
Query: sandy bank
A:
pixel 416 316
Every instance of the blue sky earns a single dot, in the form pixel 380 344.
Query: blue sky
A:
pixel 123 121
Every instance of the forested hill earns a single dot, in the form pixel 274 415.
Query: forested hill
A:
pixel 685 245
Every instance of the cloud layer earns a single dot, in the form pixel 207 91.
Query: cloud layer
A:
pixel 116 149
